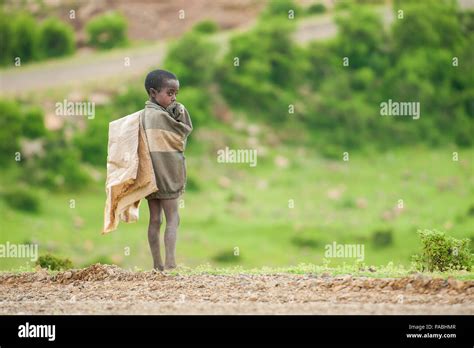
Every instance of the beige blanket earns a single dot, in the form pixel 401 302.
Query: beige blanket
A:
pixel 130 175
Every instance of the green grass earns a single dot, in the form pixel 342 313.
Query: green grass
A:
pixel 357 270
pixel 325 269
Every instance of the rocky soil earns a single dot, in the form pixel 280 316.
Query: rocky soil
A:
pixel 105 289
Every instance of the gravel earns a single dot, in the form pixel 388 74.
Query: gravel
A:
pixel 105 289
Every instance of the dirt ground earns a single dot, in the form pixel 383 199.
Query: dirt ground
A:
pixel 104 289
pixel 148 19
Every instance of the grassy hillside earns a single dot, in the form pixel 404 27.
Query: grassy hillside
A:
pixel 232 206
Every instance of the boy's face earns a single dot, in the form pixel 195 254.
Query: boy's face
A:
pixel 167 95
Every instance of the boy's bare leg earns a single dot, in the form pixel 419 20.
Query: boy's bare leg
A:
pixel 170 206
pixel 156 220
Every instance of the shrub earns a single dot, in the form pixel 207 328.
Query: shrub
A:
pixel 21 36
pixel 331 151
pixel 6 40
pixel 93 142
pixel 192 184
pixel 348 203
pixel 316 9
pixel 54 263
pixel 382 238
pixel 107 31
pixel 281 9
pixel 322 65
pixel 470 210
pixel 305 242
pixel 60 166
pixel 56 38
pixel 192 59
pixel 10 130
pixel 63 163
pixel 206 27
pixel 226 256
pixel 22 198
pixel 433 23
pixel 25 38
pixel 362 39
pixel 266 79
pixel 443 253
pixel 33 125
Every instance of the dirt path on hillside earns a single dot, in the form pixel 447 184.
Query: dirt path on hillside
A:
pixel 83 68
pixel 107 289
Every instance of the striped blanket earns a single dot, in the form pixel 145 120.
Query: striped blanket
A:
pixel 166 132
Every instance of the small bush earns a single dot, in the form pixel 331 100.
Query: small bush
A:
pixel 348 203
pixel 33 125
pixel 25 38
pixel 65 164
pixel 305 242
pixel 59 168
pixel 107 31
pixel 54 263
pixel 21 36
pixel 331 151
pixel 382 238
pixel 470 211
pixel 6 40
pixel 206 27
pixel 92 144
pixel 316 9
pixel 192 184
pixel 11 123
pixel 342 5
pixel 192 59
pixel 56 38
pixel 226 256
pixel 22 198
pixel 281 9
pixel 443 253
pixel 262 82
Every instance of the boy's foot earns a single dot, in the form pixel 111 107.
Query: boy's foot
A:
pixel 159 267
pixel 170 266
pixel 156 271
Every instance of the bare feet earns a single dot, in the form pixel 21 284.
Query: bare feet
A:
pixel 159 267
pixel 170 265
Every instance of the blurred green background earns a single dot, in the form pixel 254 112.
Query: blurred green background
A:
pixel 291 97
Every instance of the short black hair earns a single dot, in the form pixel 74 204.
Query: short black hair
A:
pixel 157 79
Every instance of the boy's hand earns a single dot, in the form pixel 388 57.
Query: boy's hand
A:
pixel 176 110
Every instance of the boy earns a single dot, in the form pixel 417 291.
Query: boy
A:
pixel 167 125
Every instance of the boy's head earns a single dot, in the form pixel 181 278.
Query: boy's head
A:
pixel 162 87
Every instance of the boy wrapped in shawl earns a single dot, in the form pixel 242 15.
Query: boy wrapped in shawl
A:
pixel 167 131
